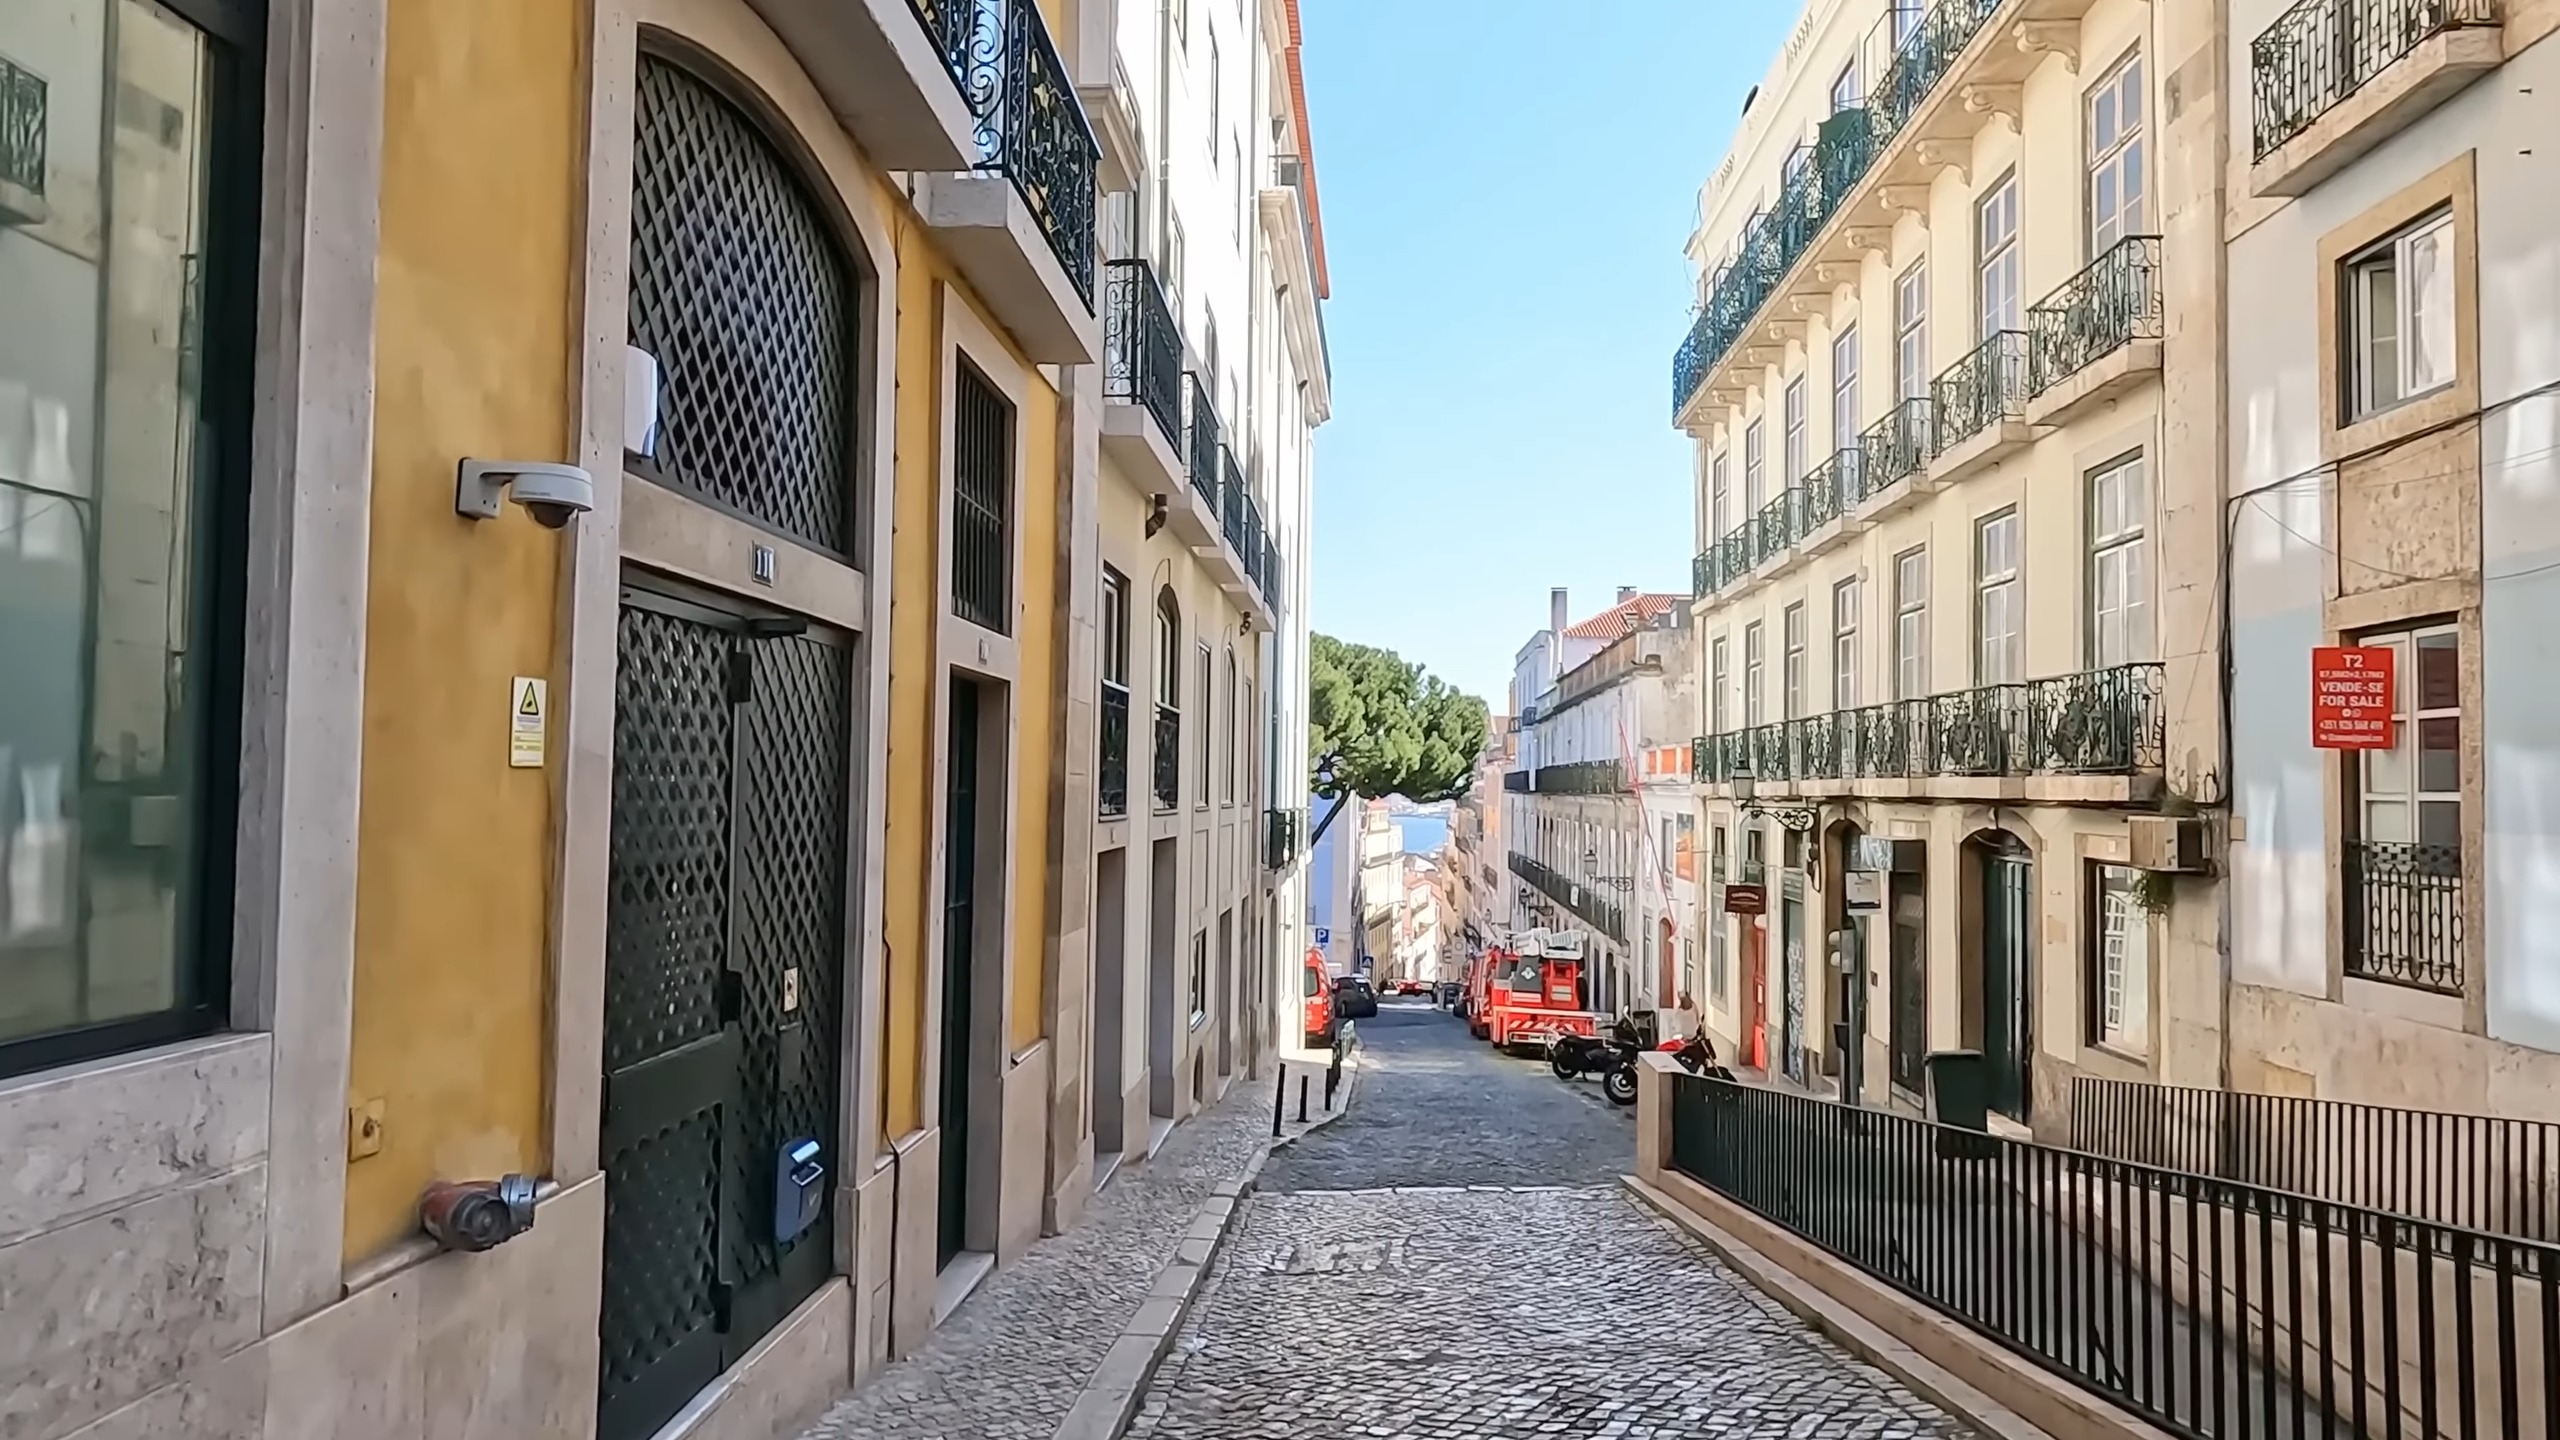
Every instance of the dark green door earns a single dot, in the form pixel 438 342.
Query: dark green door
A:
pixel 1909 976
pixel 959 957
pixel 2008 883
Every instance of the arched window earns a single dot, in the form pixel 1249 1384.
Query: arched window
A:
pixel 1168 735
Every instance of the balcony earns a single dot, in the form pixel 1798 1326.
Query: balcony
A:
pixel 2331 79
pixel 1215 515
pixel 1600 913
pixel 1980 403
pixel 1168 762
pixel 1584 777
pixel 1516 782
pixel 1112 768
pixel 2097 334
pixel 22 146
pixel 1141 377
pixel 2403 914
pixel 1702 575
pixel 906 78
pixel 2094 737
pixel 1019 223
pixel 1894 455
pixel 1284 838
pixel 1829 500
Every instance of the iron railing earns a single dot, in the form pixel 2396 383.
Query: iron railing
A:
pixel 1987 386
pixel 1112 770
pixel 2211 1308
pixel 2322 51
pixel 1031 127
pixel 2094 722
pixel 1206 439
pixel 22 128
pixel 1284 838
pixel 1516 782
pixel 1738 549
pixel 1231 496
pixel 1703 579
pixel 981 530
pixel 1836 487
pixel 1168 759
pixel 2494 1173
pixel 2403 914
pixel 1898 446
pixel 1142 346
pixel 1774 531
pixel 1816 185
pixel 1583 777
pixel 2112 302
pixel 1596 910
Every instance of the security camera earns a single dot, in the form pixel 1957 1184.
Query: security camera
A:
pixel 551 494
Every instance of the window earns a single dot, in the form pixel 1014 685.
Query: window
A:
pixel 2120 961
pixel 2116 207
pixel 1906 18
pixel 2399 307
pixel 981 487
pixel 1996 600
pixel 1209 367
pixel 1844 645
pixel 1911 624
pixel 1844 89
pixel 1235 730
pixel 1168 719
pixel 1751 666
pixel 1844 389
pixel 1752 468
pixel 1996 245
pixel 2119 565
pixel 119 495
pixel 1719 682
pixel 1112 783
pixel 1911 334
pixel 1199 977
pixel 1208 727
pixel 2412 792
pixel 1795 456
pixel 1791 669
pixel 1719 497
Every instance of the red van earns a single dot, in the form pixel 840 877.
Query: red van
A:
pixel 1317 987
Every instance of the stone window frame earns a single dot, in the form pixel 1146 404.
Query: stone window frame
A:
pixel 2450 187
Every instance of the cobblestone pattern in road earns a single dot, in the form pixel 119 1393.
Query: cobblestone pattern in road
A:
pixel 1541 1305
pixel 1009 1363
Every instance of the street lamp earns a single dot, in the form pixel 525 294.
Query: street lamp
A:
pixel 1619 883
pixel 1792 817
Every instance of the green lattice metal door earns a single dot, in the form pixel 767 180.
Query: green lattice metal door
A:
pixel 724 981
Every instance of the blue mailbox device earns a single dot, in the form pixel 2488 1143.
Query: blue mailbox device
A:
pixel 800 1186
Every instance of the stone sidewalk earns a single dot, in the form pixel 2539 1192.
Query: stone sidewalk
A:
pixel 1010 1363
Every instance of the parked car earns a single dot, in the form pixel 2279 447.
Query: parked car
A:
pixel 1318 990
pixel 1353 999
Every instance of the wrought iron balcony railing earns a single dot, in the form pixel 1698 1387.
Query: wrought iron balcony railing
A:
pixel 1111 779
pixel 2112 302
pixel 1702 575
pixel 1031 127
pixel 1284 838
pixel 1837 487
pixel 1205 439
pixel 1583 777
pixel 1898 446
pixel 2095 722
pixel 1817 186
pixel 1595 909
pixel 2322 51
pixel 1142 347
pixel 1987 386
pixel 2403 914
pixel 1774 530
pixel 1738 550
pixel 1168 775
pixel 22 128
pixel 1231 498
pixel 1516 781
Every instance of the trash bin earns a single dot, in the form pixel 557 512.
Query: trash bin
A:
pixel 1960 1102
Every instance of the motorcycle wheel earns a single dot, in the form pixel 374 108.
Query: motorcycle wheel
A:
pixel 1565 1069
pixel 1620 1085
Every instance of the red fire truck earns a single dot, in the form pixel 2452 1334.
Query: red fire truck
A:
pixel 1539 995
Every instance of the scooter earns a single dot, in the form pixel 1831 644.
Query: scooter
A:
pixel 1697 1055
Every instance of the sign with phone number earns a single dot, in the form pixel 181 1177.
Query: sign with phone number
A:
pixel 2351 697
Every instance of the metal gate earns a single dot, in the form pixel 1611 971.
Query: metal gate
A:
pixel 2008 880
pixel 1791 932
pixel 1908 938
pixel 724 946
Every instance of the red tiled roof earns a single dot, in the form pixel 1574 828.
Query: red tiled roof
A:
pixel 1617 621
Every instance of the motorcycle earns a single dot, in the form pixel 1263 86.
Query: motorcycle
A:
pixel 1697 1055
pixel 1612 1057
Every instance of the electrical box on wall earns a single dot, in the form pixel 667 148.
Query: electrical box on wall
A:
pixel 2176 845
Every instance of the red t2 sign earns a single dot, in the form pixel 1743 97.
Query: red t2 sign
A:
pixel 2351 697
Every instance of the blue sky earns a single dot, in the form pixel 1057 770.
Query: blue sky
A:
pixel 1507 185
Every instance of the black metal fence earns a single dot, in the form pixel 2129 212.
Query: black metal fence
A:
pixel 1112 768
pixel 2112 302
pixel 1168 772
pixel 1205 437
pixel 2493 1173
pixel 1986 387
pixel 22 128
pixel 1032 128
pixel 2403 914
pixel 1597 910
pixel 2322 51
pixel 1142 347
pixel 2212 1308
pixel 1897 447
pixel 1231 497
pixel 1285 838
pixel 2094 722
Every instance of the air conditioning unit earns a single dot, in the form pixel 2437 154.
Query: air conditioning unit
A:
pixel 2174 844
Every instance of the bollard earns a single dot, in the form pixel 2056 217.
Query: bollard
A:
pixel 1331 1079
pixel 1279 1099
pixel 1302 1099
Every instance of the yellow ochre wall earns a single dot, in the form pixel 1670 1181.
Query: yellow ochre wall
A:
pixel 479 178
pixel 914 809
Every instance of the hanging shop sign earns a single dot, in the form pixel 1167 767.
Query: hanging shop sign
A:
pixel 1745 899
pixel 2351 697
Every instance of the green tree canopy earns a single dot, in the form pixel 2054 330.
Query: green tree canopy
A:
pixel 1379 726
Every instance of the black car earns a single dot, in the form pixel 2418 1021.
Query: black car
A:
pixel 1353 999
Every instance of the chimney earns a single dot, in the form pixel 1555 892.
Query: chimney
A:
pixel 1558 617
pixel 1626 593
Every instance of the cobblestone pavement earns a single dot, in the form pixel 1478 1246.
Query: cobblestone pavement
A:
pixel 1521 1309
pixel 1010 1362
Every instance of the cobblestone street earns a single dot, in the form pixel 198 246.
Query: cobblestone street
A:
pixel 1455 1261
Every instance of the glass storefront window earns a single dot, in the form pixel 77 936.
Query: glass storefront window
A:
pixel 109 444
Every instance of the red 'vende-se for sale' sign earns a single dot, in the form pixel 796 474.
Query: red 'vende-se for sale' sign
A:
pixel 2351 697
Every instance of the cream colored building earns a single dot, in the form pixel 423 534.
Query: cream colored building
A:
pixel 1954 387
pixel 2393 278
